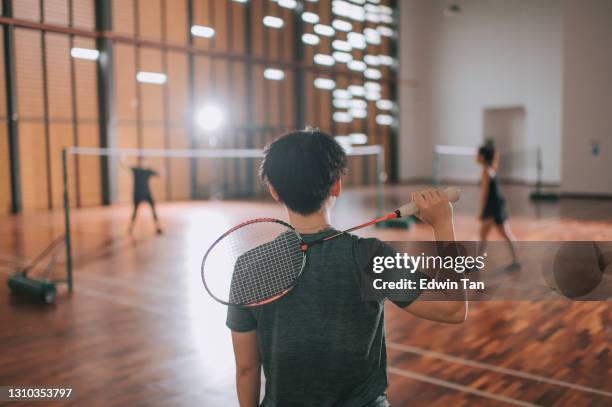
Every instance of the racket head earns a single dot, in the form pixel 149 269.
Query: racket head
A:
pixel 253 263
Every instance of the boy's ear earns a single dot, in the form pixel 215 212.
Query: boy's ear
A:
pixel 337 188
pixel 273 193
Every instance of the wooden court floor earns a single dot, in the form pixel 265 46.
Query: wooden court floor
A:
pixel 140 331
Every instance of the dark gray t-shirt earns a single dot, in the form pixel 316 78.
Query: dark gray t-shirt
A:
pixel 321 344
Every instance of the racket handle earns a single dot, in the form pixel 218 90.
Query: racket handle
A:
pixel 452 193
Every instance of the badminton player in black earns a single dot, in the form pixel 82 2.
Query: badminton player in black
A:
pixel 321 345
pixel 493 209
pixel 142 192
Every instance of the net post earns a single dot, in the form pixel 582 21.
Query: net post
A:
pixel 380 175
pixel 67 235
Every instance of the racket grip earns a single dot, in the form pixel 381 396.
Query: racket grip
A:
pixel 452 193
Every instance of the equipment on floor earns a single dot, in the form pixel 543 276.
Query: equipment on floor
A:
pixel 40 287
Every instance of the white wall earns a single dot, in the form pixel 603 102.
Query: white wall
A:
pixel 495 53
pixel 587 97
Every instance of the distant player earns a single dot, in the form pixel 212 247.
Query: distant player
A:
pixel 142 192
pixel 493 209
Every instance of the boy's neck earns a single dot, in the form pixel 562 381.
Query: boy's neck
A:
pixel 313 223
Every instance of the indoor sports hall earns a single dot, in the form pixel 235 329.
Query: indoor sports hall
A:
pixel 132 136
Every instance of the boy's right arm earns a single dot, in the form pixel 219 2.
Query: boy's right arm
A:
pixel 436 210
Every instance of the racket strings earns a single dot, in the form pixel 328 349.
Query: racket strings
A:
pixel 254 263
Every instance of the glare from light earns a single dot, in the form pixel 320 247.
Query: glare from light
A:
pixel 202 31
pixel 374 1
pixel 323 59
pixel 342 117
pixel 341 45
pixel 290 4
pixel 385 10
pixel 359 1
pixel 325 30
pixel 371 8
pixel 342 57
pixel 85 53
pixel 386 60
pixel 358 113
pixel 341 103
pixel 156 78
pixel 358 104
pixel 309 17
pixel 372 95
pixel 344 141
pixel 372 86
pixel 373 18
pixel 240 1
pixel 342 25
pixel 372 73
pixel 358 138
pixel 324 83
pixel 384 30
pixel 273 22
pixel 384 119
pixel 356 65
pixel 346 9
pixel 384 104
pixel 357 40
pixel 310 39
pixel 274 74
pixel 371 60
pixel 356 90
pixel 209 118
pixel 342 94
pixel 385 18
pixel 372 36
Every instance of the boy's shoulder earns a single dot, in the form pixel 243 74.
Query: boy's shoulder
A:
pixel 365 248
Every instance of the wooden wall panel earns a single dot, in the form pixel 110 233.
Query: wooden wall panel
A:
pixel 178 96
pixel 123 16
pixel 83 15
pixel 56 12
pixel 29 73
pixel 59 86
pixel 33 166
pixel 5 175
pixel 90 189
pixel 153 137
pixel 176 21
pixel 149 19
pixel 125 83
pixel 151 94
pixel 27 9
pixel 179 170
pixel 127 137
pixel 203 15
pixel 86 84
pixel 60 137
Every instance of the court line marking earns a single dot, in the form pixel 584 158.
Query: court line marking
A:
pixel 455 386
pixel 494 368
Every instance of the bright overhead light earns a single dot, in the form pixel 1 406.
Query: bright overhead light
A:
pixel 240 1
pixel 310 39
pixel 346 9
pixel 359 1
pixel 151 77
pixel 385 10
pixel 371 60
pixel 202 31
pixel 371 8
pixel 358 113
pixel 209 118
pixel 342 57
pixel 273 22
pixel 372 95
pixel 372 73
pixel 384 119
pixel 356 40
pixel 356 65
pixel 342 25
pixel 342 117
pixel 309 17
pixel 341 45
pixel 358 104
pixel 386 60
pixel 291 4
pixel 85 53
pixel 384 104
pixel 374 1
pixel 385 18
pixel 358 138
pixel 384 30
pixel 325 30
pixel 274 74
pixel 324 83
pixel 373 17
pixel 372 86
pixel 342 94
pixel 341 103
pixel 323 59
pixel 372 36
pixel 356 90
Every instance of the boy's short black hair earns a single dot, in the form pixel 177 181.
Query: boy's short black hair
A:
pixel 487 152
pixel 302 166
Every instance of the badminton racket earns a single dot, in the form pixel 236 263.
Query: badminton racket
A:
pixel 260 260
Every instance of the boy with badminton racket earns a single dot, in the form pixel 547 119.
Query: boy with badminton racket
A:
pixel 321 344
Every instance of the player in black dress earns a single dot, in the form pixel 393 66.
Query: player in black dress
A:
pixel 493 209
pixel 142 192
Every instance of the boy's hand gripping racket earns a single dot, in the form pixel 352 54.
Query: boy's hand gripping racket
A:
pixel 260 260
